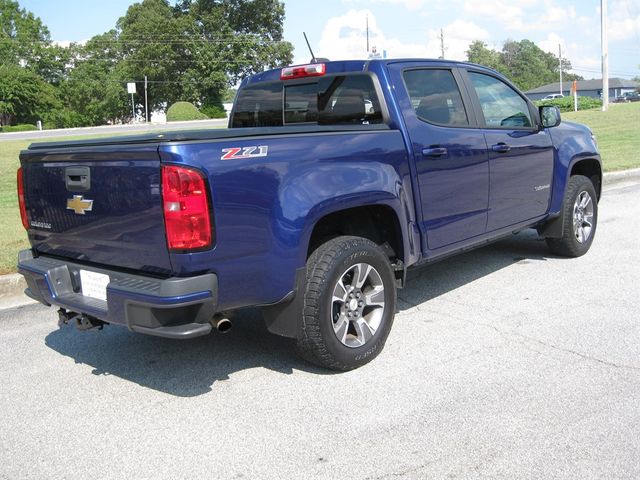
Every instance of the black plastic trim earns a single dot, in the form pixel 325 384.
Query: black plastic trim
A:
pixel 212 134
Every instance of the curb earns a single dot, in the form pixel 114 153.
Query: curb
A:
pixel 621 176
pixel 13 284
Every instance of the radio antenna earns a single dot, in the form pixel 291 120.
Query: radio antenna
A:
pixel 313 57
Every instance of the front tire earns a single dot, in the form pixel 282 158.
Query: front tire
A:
pixel 580 211
pixel 349 304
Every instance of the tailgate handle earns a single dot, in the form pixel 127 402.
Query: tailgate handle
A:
pixel 77 179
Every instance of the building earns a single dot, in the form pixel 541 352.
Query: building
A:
pixel 586 88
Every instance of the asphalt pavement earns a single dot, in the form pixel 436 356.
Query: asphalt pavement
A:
pixel 505 362
pixel 131 128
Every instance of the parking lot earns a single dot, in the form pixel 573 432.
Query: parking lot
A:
pixel 505 362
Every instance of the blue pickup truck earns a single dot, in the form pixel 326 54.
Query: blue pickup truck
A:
pixel 330 182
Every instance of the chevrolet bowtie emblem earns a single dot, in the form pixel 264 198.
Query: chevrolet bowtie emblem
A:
pixel 79 205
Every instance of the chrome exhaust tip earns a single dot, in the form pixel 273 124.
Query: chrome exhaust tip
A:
pixel 223 325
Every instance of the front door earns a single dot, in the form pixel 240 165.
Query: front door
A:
pixel 520 155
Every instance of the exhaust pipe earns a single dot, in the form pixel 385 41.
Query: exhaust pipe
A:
pixel 223 325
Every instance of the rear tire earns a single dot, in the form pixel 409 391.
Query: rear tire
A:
pixel 580 212
pixel 349 304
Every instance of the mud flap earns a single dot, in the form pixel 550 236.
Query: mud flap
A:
pixel 285 318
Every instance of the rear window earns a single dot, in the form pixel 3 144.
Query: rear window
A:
pixel 330 100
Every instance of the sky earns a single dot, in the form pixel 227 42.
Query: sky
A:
pixel 411 28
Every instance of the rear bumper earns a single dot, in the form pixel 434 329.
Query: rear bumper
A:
pixel 172 307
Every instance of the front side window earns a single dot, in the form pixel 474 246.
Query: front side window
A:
pixel 435 97
pixel 502 107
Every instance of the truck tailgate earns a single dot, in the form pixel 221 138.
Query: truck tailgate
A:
pixel 97 204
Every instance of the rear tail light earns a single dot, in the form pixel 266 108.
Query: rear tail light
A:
pixel 23 207
pixel 302 71
pixel 187 212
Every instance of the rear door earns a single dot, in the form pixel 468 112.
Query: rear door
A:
pixel 521 156
pixel 97 204
pixel 450 155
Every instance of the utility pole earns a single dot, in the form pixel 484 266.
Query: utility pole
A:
pixel 560 57
pixel 605 55
pixel 367 33
pixel 146 101
pixel 441 44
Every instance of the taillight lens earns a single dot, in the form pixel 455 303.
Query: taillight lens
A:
pixel 186 209
pixel 23 206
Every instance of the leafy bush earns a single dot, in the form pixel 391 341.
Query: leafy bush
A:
pixel 22 127
pixel 214 111
pixel 181 111
pixel 63 118
pixel 565 104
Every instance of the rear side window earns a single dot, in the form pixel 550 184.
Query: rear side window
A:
pixel 502 107
pixel 331 100
pixel 435 97
pixel 259 106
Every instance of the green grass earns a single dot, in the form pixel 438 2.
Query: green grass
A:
pixel 13 237
pixel 617 131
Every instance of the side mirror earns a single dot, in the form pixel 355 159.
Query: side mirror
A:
pixel 550 116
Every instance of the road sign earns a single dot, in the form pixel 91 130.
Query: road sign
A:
pixel 131 88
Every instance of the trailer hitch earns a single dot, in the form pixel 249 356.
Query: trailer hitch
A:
pixel 83 322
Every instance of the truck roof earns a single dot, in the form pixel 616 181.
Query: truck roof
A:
pixel 344 66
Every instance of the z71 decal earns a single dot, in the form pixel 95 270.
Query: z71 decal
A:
pixel 237 153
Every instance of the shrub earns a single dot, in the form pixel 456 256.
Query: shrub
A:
pixel 22 127
pixel 63 118
pixel 181 111
pixel 214 111
pixel 565 104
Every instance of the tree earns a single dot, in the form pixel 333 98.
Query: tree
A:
pixel 25 41
pixel 198 48
pixel 193 50
pixel 23 95
pixel 479 53
pixel 523 62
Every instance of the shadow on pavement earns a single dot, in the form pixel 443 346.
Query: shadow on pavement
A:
pixel 430 281
pixel 184 368
pixel 191 367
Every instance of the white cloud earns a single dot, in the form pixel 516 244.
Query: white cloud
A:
pixel 510 13
pixel 624 20
pixel 523 15
pixel 550 44
pixel 624 28
pixel 67 43
pixel 408 4
pixel 587 66
pixel 345 38
pixel 458 35
pixel 556 14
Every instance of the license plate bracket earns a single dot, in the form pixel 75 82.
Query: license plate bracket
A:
pixel 94 284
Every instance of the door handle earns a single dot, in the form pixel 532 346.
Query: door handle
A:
pixel 77 179
pixel 501 147
pixel 434 152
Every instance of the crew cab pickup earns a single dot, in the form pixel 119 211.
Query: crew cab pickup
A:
pixel 331 181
